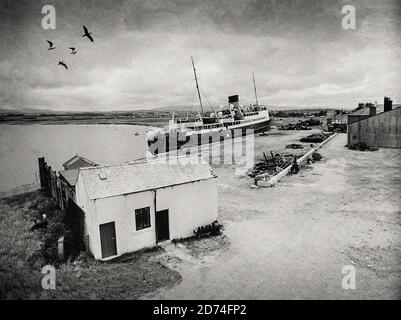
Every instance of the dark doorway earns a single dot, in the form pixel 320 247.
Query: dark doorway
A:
pixel 108 239
pixel 162 229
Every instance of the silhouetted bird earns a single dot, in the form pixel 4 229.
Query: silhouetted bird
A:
pixel 73 51
pixel 62 63
pixel 87 34
pixel 51 45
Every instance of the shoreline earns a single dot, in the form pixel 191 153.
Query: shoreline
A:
pixel 77 122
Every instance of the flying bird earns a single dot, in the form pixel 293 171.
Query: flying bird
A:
pixel 73 51
pixel 62 63
pixel 87 34
pixel 51 45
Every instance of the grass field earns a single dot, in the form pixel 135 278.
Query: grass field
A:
pixel 21 261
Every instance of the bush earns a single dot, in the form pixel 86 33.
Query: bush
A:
pixel 74 225
pixel 316 156
pixel 54 231
pixel 362 146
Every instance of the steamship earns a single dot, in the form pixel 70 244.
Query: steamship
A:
pixel 228 123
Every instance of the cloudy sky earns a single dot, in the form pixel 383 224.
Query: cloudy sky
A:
pixel 298 50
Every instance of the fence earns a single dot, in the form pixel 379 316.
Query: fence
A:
pixel 50 181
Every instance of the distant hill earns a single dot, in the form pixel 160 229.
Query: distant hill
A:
pixel 27 111
pixel 273 108
pixel 181 108
pixel 184 108
pixel 299 109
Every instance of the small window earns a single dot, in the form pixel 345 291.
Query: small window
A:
pixel 142 218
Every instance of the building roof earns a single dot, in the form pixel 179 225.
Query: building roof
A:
pixel 103 182
pixel 71 176
pixel 78 161
pixel 362 111
pixel 376 115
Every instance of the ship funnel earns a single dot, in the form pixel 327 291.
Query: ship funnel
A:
pixel 234 101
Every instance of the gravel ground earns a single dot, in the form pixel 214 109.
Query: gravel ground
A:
pixel 292 241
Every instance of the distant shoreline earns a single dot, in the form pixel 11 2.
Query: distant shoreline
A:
pixel 83 120
pixel 15 123
pixel 140 118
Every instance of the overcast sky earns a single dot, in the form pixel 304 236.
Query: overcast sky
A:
pixel 298 50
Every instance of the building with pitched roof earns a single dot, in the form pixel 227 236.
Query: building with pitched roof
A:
pixel 68 177
pixel 133 206
pixel 77 162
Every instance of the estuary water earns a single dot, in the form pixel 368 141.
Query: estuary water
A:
pixel 21 145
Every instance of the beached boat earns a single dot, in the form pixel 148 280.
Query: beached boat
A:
pixel 230 122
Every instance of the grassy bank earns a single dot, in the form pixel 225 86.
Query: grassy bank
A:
pixel 23 253
pixel 19 247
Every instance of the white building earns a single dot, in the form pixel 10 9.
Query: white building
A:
pixel 132 206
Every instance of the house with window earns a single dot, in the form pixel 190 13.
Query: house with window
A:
pixel 133 206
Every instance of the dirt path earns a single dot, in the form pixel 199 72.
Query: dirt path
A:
pixel 291 241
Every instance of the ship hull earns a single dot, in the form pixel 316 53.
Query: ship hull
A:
pixel 174 141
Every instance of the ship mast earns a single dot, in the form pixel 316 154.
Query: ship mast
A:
pixel 197 85
pixel 254 88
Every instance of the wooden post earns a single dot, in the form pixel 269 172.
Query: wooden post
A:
pixel 273 158
pixel 42 173
pixel 264 155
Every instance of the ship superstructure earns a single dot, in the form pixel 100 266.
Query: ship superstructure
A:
pixel 230 122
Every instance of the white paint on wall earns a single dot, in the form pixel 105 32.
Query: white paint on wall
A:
pixel 190 205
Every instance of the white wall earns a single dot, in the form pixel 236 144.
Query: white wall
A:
pixel 190 206
pixel 82 200
pixel 121 211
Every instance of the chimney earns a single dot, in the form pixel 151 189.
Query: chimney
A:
pixel 372 110
pixel 388 104
pixel 102 174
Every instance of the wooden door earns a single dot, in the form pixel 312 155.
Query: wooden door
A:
pixel 108 239
pixel 162 226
